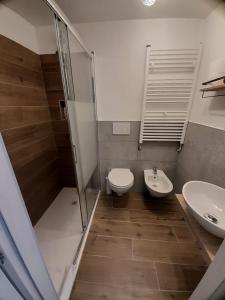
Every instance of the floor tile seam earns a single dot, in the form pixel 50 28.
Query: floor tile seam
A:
pixel 192 243
pixel 180 264
pixel 129 209
pixel 146 223
pixel 157 277
pixel 138 222
pixel 132 259
pixel 178 239
pixel 113 286
pixel 109 236
pixel 142 288
pixel 139 258
pixel 108 256
pixel 127 259
pixel 132 248
pixel 143 209
pixel 175 234
pixel 139 239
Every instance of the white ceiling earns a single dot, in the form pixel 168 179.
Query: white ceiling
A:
pixel 80 11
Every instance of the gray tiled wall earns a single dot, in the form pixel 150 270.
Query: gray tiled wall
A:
pixel 122 151
pixel 202 157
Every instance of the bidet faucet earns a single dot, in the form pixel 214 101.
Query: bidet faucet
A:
pixel 154 171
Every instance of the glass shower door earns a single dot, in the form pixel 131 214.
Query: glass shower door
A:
pixel 78 86
pixel 86 122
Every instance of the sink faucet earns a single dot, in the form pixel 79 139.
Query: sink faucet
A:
pixel 154 171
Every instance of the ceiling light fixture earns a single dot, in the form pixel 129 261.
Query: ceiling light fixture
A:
pixel 148 2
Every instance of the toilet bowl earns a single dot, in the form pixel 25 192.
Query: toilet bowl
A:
pixel 157 183
pixel 120 181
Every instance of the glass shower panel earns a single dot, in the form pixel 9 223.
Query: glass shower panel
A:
pixel 78 81
pixel 81 64
pixel 65 62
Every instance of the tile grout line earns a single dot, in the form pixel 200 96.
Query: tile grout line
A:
pixel 142 239
pixel 139 259
pixel 174 232
pixel 108 285
pixel 138 222
pixel 157 277
pixel 146 223
pixel 132 248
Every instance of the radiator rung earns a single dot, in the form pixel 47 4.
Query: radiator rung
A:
pixel 170 75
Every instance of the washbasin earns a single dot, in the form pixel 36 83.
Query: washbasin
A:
pixel 206 202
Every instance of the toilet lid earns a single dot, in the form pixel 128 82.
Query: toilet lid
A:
pixel 120 177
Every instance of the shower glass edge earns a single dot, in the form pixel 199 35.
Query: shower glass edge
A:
pixel 77 75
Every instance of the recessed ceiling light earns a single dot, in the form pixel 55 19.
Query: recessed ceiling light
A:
pixel 148 2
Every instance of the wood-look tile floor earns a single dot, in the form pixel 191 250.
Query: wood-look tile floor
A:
pixel 139 248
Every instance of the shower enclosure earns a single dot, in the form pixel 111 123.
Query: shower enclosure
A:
pixel 52 145
pixel 78 82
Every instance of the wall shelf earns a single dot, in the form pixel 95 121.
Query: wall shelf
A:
pixel 215 88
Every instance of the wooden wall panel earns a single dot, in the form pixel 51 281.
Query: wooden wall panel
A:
pixel 18 55
pixel 15 74
pixel 11 117
pixel 45 189
pixel 17 95
pixel 54 91
pixel 26 127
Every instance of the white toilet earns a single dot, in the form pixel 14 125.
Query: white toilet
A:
pixel 157 183
pixel 119 181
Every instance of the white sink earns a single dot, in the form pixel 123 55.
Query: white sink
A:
pixel 206 202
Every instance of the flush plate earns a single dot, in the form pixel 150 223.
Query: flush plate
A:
pixel 121 128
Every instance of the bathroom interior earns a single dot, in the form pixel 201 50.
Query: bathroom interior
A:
pixel 112 114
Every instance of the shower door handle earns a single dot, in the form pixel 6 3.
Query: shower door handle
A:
pixel 75 153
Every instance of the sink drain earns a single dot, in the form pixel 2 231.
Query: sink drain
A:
pixel 211 218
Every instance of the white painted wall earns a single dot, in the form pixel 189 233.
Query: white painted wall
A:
pixel 120 55
pixel 46 37
pixel 211 112
pixel 18 29
pixel 120 58
pixel 41 39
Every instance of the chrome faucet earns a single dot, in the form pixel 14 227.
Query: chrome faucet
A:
pixel 154 171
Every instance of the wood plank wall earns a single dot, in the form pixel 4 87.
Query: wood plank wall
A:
pixel 54 90
pixel 25 124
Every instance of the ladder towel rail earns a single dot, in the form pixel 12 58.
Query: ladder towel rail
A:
pixel 170 76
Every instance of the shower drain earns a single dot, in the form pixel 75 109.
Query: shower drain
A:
pixel 211 218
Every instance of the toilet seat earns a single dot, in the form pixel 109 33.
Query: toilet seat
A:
pixel 122 178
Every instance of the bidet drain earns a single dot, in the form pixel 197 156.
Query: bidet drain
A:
pixel 211 218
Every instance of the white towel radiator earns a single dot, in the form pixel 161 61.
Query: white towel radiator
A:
pixel 170 77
